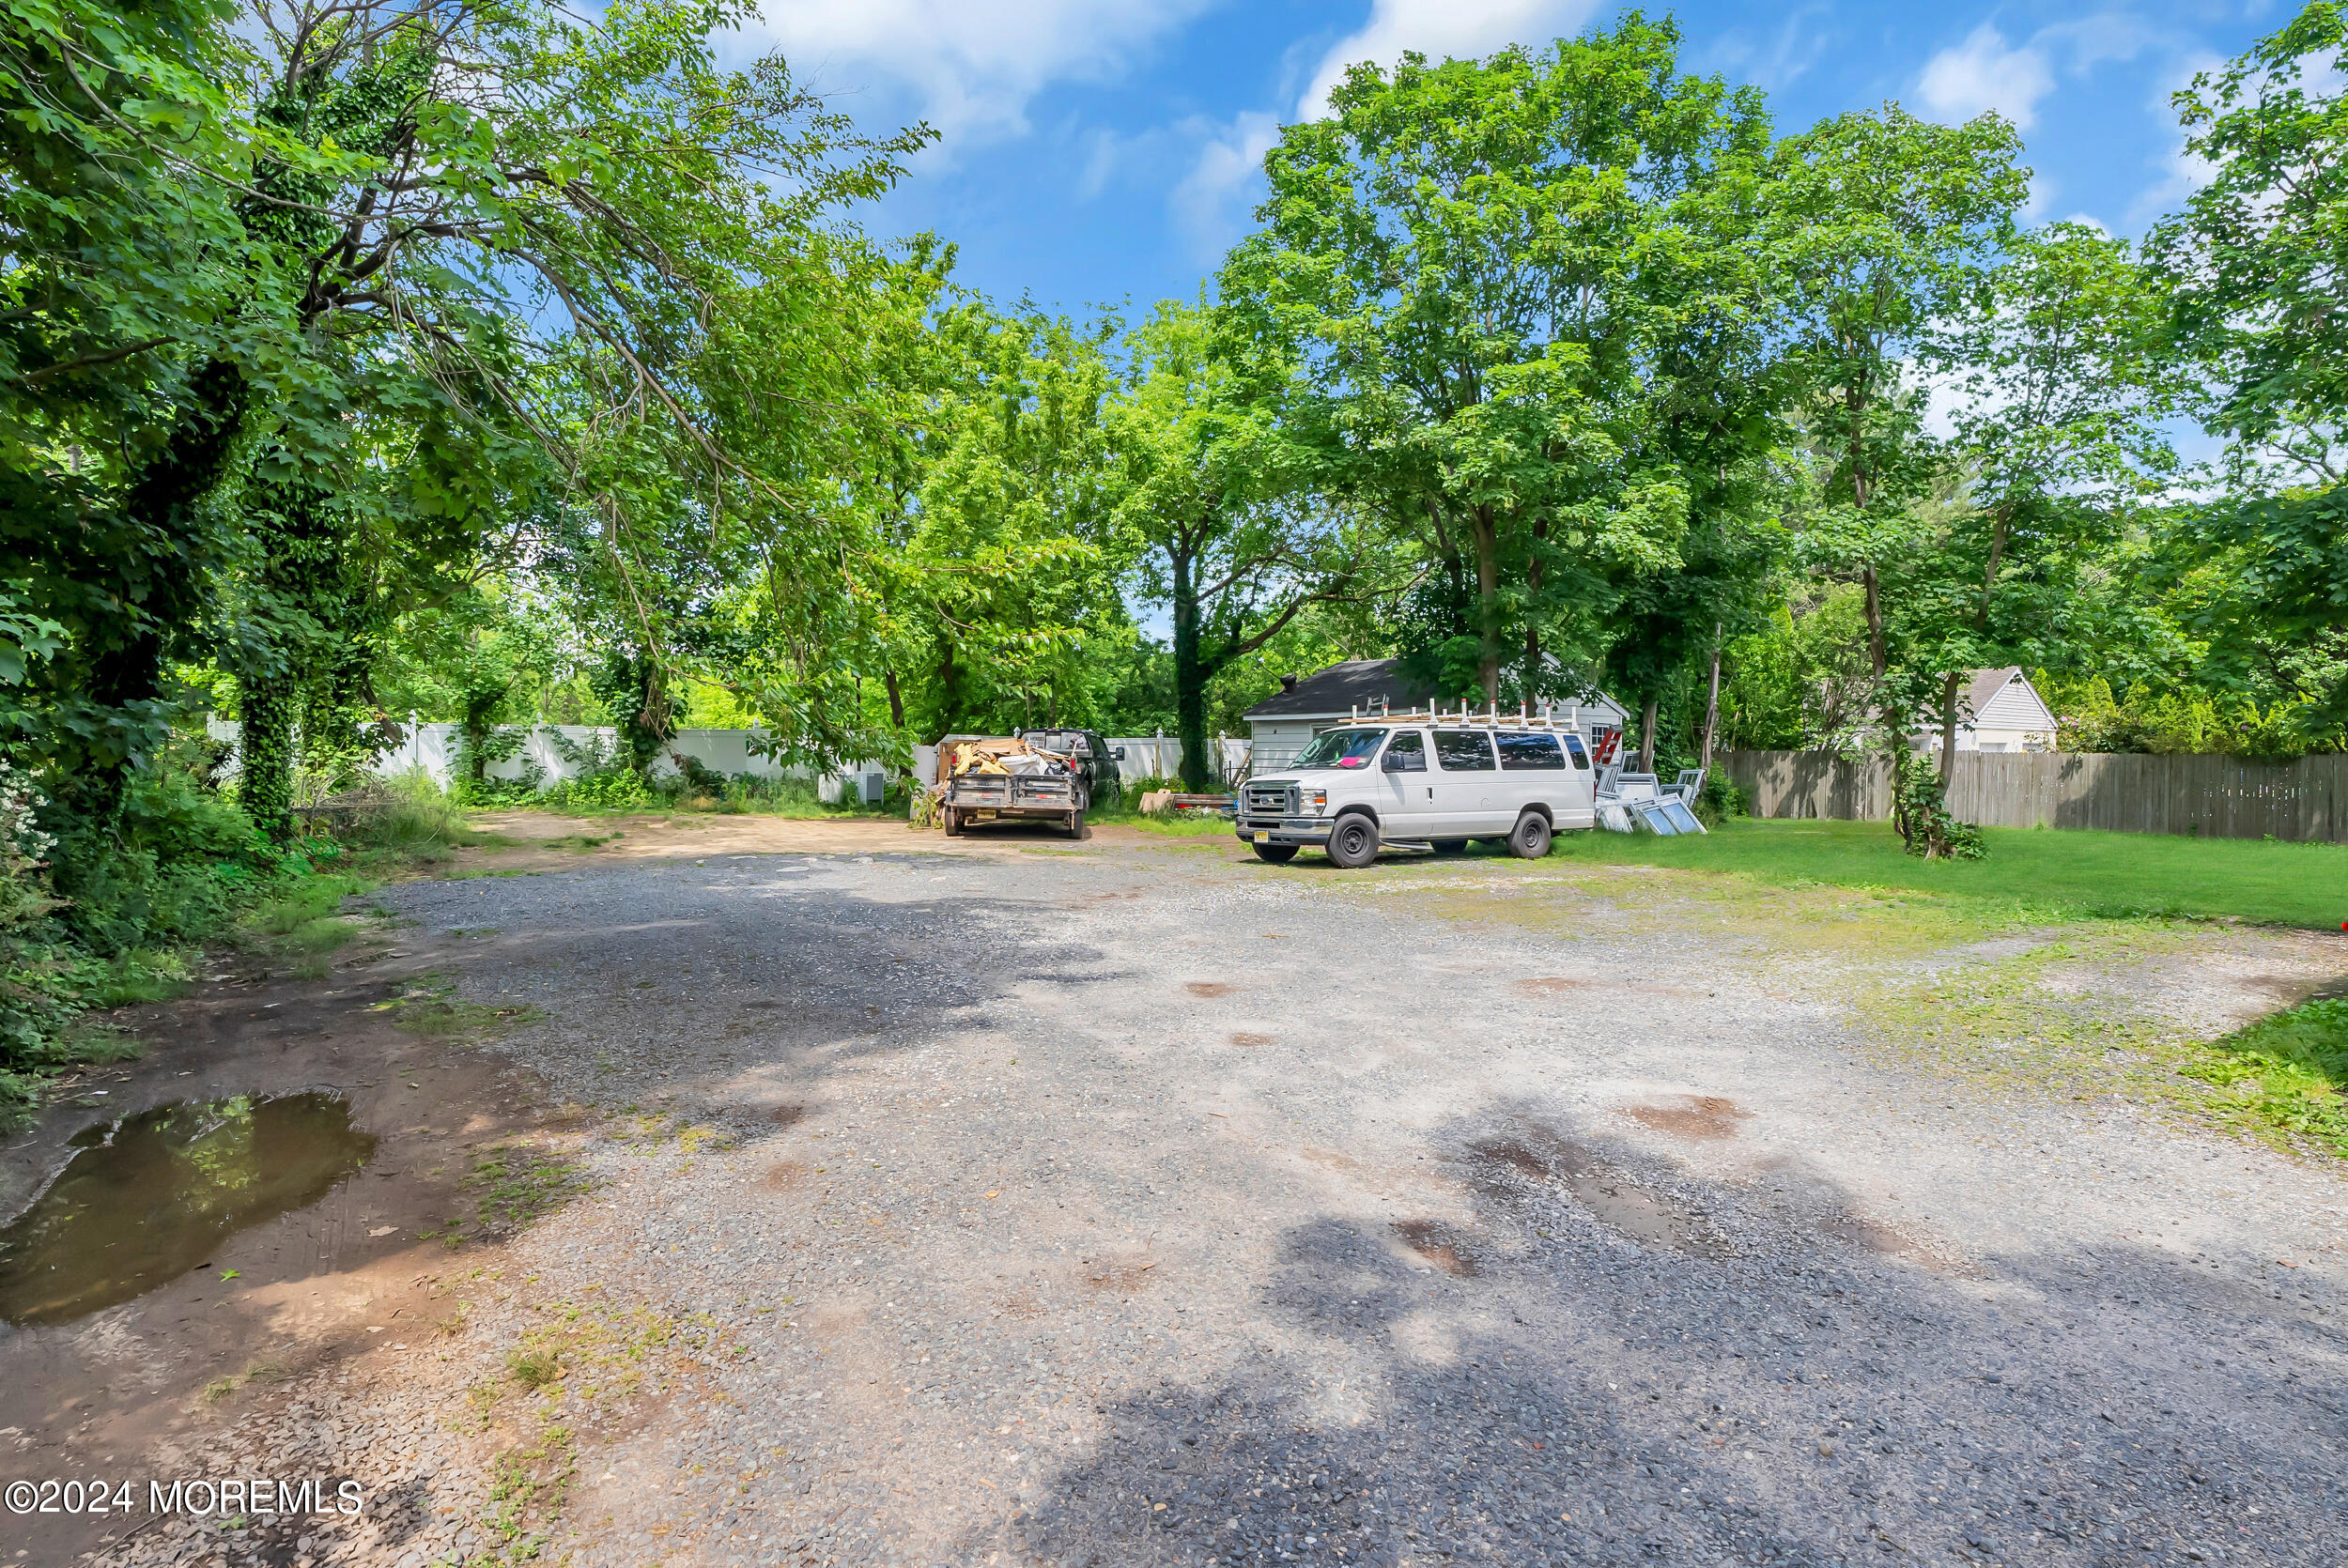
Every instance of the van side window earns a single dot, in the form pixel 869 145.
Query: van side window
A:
pixel 1407 753
pixel 1573 748
pixel 1521 752
pixel 1464 750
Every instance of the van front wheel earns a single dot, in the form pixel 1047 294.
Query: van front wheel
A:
pixel 1353 842
pixel 1530 841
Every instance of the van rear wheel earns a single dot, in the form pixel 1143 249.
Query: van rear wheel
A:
pixel 1275 854
pixel 1530 841
pixel 1353 842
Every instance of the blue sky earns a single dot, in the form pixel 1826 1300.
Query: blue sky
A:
pixel 1106 151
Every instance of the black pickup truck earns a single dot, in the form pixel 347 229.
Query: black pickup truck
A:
pixel 1093 755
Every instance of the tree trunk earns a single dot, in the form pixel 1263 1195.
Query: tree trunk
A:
pixel 266 753
pixel 1486 600
pixel 1646 737
pixel 1877 657
pixel 1948 726
pixel 1532 598
pixel 1712 701
pixel 1190 677
pixel 896 698
pixel 165 577
pixel 949 691
pixel 1990 573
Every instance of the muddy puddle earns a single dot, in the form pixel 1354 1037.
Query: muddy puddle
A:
pixel 147 1198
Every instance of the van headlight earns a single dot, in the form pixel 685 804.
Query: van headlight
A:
pixel 1315 801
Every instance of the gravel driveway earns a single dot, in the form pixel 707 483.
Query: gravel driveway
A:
pixel 1142 1204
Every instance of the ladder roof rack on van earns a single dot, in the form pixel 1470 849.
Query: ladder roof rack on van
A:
pixel 1491 717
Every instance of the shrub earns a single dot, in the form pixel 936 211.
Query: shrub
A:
pixel 408 812
pixel 1921 812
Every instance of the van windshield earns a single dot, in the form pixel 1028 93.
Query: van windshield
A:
pixel 1342 749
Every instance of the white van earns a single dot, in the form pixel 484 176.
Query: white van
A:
pixel 1421 778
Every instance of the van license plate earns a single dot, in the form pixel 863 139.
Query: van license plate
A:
pixel 1259 838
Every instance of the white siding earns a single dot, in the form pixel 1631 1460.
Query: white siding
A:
pixel 1279 741
pixel 2016 707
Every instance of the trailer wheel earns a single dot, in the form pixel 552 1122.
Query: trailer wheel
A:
pixel 1352 842
pixel 1275 854
pixel 1530 841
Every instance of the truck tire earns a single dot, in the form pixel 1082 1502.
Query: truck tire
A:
pixel 953 822
pixel 1275 854
pixel 1352 842
pixel 1077 823
pixel 1530 841
pixel 1450 846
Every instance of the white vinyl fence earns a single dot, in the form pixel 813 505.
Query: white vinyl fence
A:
pixel 435 748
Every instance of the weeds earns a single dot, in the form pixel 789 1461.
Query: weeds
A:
pixel 432 1009
pixel 2287 1073
pixel 519 1185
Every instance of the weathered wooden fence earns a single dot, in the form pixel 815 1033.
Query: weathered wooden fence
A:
pixel 2217 797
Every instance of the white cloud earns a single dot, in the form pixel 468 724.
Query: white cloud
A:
pixel 971 66
pixel 1440 28
pixel 1781 62
pixel 1211 202
pixel 1982 73
pixel 2182 172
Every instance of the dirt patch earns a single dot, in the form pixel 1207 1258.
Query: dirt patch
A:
pixel 1208 988
pixel 1243 1039
pixel 1121 1277
pixel 342 1282
pixel 1550 984
pixel 783 1175
pixel 789 1115
pixel 1541 1158
pixel 1701 1118
pixel 1439 1244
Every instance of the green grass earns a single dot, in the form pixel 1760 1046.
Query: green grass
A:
pixel 2287 1073
pixel 1125 812
pixel 2060 874
pixel 431 1007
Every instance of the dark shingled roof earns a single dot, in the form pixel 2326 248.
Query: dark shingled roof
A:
pixel 1342 687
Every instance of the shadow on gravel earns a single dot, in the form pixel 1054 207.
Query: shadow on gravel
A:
pixel 1596 1394
pixel 735 987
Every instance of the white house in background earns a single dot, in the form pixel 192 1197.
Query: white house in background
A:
pixel 1285 723
pixel 2000 711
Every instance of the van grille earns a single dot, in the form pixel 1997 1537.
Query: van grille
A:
pixel 1273 800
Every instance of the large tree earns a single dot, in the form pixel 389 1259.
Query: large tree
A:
pixel 2062 395
pixel 1228 528
pixel 116 417
pixel 2256 262
pixel 1882 229
pixel 1457 255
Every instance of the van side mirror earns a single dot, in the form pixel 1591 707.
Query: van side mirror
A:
pixel 1404 761
pixel 1118 754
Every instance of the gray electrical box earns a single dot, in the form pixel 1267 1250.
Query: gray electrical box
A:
pixel 871 787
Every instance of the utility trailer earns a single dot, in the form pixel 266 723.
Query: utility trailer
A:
pixel 1000 779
